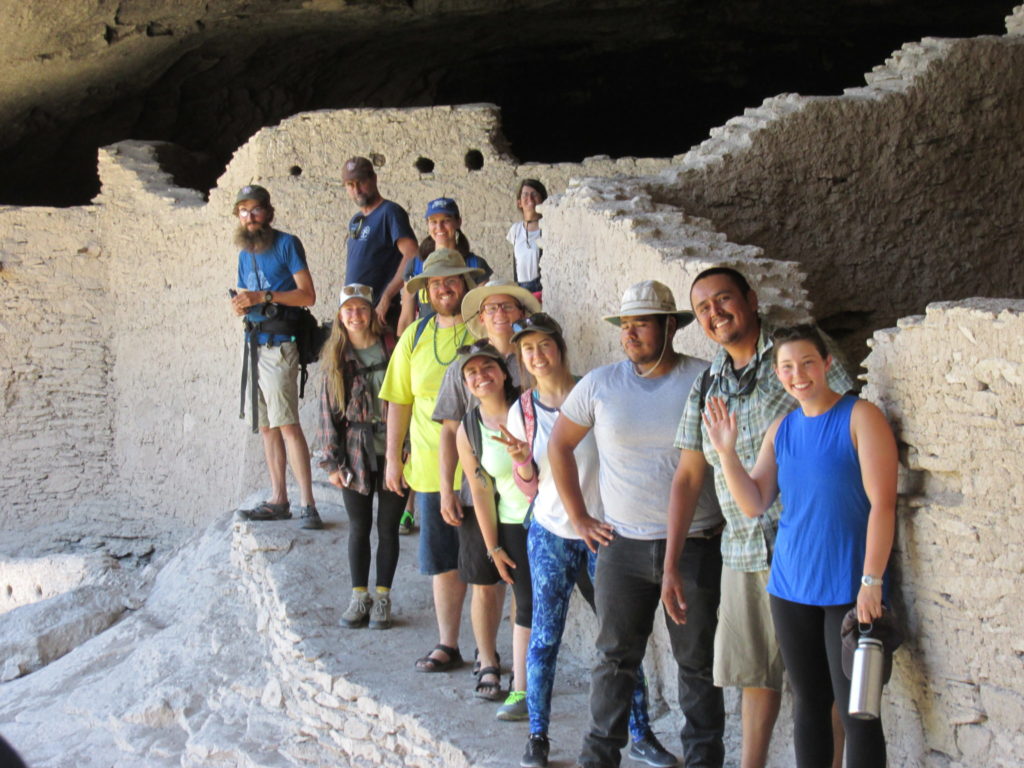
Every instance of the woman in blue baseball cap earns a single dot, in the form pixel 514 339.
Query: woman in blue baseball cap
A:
pixel 444 224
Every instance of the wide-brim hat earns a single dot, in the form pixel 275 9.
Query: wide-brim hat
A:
pixel 444 262
pixel 649 297
pixel 498 286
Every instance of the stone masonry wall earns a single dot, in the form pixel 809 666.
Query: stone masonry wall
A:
pixel 890 195
pixel 952 384
pixel 55 363
pixel 139 352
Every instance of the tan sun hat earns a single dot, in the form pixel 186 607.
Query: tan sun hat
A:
pixel 498 286
pixel 443 262
pixel 649 297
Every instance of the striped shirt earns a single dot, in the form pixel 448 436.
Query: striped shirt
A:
pixel 757 397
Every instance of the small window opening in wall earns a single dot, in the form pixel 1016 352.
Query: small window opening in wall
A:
pixel 474 160
pixel 424 165
pixel 377 159
pixel 295 170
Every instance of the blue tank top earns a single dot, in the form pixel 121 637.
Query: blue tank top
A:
pixel 819 552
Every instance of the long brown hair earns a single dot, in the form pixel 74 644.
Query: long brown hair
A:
pixel 332 358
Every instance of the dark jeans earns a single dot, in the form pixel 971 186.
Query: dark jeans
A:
pixel 360 515
pixel 812 651
pixel 627 592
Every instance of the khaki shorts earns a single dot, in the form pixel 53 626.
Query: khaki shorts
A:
pixel 278 385
pixel 746 651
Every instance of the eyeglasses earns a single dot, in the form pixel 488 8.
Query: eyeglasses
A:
pixel 356 225
pixel 447 282
pixel 506 306
pixel 541 320
pixel 244 213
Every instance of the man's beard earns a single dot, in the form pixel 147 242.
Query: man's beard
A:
pixel 365 201
pixel 254 241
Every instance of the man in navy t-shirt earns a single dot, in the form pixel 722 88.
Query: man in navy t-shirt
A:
pixel 380 240
pixel 273 276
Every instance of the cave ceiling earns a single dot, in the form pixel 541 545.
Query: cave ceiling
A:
pixel 621 77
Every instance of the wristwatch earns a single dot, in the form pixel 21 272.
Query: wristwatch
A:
pixel 268 297
pixel 871 581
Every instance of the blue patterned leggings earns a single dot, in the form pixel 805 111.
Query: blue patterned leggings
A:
pixel 554 565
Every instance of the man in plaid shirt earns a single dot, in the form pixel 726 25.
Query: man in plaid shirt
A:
pixel 746 652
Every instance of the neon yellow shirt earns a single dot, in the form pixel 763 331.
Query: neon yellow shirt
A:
pixel 413 378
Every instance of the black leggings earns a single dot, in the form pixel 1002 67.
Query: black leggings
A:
pixel 513 538
pixel 360 514
pixel 812 650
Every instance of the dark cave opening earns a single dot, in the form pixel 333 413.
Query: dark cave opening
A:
pixel 621 79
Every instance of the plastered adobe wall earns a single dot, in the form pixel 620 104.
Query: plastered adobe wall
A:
pixel 952 384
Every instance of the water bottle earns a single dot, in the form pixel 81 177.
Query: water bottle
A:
pixel 866 680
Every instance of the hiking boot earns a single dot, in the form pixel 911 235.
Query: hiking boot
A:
pixel 514 707
pixel 536 754
pixel 649 750
pixel 311 518
pixel 406 524
pixel 358 612
pixel 380 613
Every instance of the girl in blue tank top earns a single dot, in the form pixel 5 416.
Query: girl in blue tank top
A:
pixel 833 462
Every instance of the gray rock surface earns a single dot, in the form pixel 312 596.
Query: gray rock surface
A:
pixel 235 658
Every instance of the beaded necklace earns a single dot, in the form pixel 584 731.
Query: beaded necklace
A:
pixel 437 332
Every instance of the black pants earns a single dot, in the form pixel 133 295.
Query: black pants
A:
pixel 627 591
pixel 360 514
pixel 812 651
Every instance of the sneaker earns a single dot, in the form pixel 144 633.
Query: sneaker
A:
pixel 536 754
pixel 358 612
pixel 406 524
pixel 311 518
pixel 380 613
pixel 514 707
pixel 265 511
pixel 649 750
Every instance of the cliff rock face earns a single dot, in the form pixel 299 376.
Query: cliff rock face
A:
pixel 118 393
pixel 616 77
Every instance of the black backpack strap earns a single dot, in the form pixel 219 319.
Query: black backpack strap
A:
pixel 254 394
pixel 471 423
pixel 705 385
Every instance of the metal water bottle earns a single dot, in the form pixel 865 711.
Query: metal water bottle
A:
pixel 866 679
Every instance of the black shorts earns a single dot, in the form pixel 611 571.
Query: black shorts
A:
pixel 474 565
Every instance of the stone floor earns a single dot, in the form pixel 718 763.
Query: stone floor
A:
pixel 229 653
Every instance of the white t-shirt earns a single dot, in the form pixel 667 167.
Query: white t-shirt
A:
pixel 526 250
pixel 547 506
pixel 634 421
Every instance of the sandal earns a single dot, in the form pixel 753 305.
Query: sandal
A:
pixel 476 661
pixel 487 690
pixel 429 664
pixel 266 511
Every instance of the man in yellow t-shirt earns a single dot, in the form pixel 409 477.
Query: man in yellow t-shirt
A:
pixel 425 350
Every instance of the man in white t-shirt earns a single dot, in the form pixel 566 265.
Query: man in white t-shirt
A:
pixel 632 407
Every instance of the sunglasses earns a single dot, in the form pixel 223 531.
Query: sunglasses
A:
pixel 480 345
pixel 356 225
pixel 544 321
pixel 257 211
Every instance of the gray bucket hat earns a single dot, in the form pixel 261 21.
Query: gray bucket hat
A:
pixel 444 263
pixel 649 297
